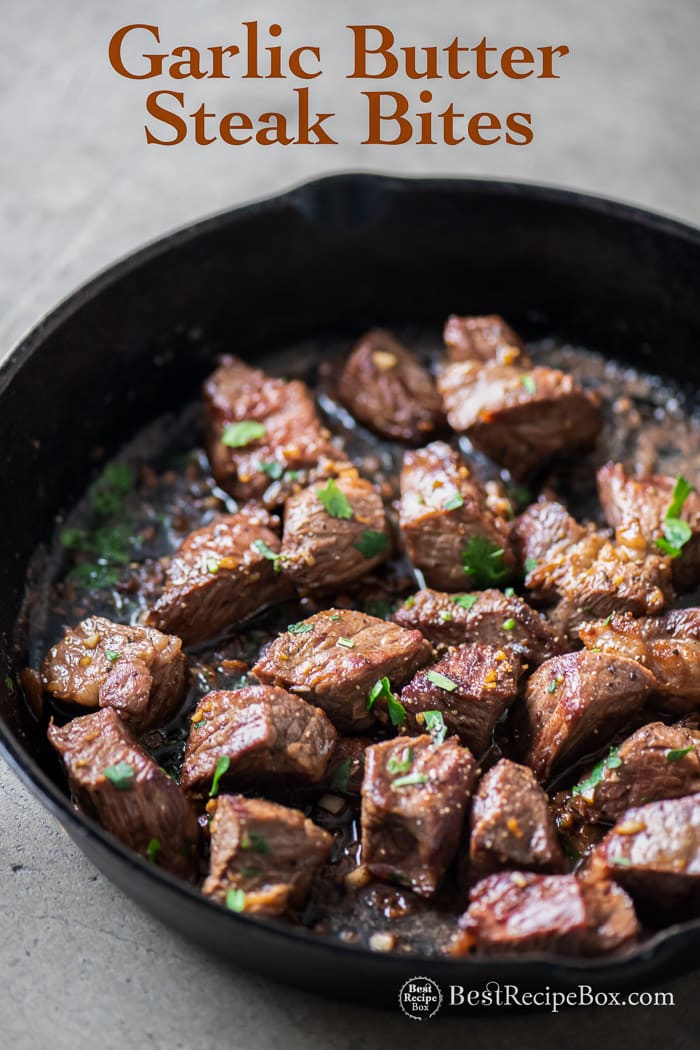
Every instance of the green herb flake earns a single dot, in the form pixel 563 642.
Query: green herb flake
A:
pixel 484 562
pixel 273 469
pixel 213 565
pixel 681 491
pixel 445 616
pixel 108 492
pixel 222 764
pixel 586 788
pixel 508 624
pixel 409 780
pixel 400 765
pixel 238 435
pixel 465 601
pixel 441 681
pixel 380 690
pixel 334 501
pixel 554 684
pixel 235 900
pixel 262 548
pixel 676 532
pixel 340 778
pixel 676 754
pixel 9 684
pixel 528 383
pixel 112 655
pixel 302 627
pixel 435 724
pixel 509 592
pixel 397 712
pixel 347 643
pixel 410 602
pixel 531 564
pixel 621 862
pixel 371 543
pixel 252 840
pixel 95 577
pixel 152 850
pixel 74 539
pixel 121 775
pixel 455 501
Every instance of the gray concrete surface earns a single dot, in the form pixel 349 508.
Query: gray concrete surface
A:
pixel 81 966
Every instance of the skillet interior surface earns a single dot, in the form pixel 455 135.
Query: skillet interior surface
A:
pixel 335 256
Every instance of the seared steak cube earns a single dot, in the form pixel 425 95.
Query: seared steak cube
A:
pixel 667 645
pixel 263 856
pixel 483 338
pixel 267 735
pixel 220 575
pixel 574 703
pixel 637 507
pixel 334 534
pixel 518 419
pixel 517 911
pixel 451 533
pixel 346 766
pixel 654 853
pixel 414 798
pixel 113 780
pixel 511 823
pixel 334 658
pixel 385 387
pixel 656 762
pixel 136 670
pixel 471 686
pixel 261 429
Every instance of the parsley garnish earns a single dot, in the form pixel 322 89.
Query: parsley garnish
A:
pixel 235 900
pixel 508 624
pixel 465 601
pixel 455 501
pixel 531 564
pixel 302 627
pixel 121 775
pixel 441 680
pixel 435 724
pixel 676 532
pixel 9 684
pixel 112 655
pixel 273 469
pixel 340 778
pixel 108 493
pixel 509 592
pixel 622 862
pixel 334 501
pixel 347 643
pixel 400 765
pixel 252 840
pixel 238 435
pixel 677 753
pixel 529 384
pixel 222 764
pixel 409 780
pixel 397 712
pixel 586 788
pixel 152 850
pixel 681 491
pixel 262 548
pixel 555 682
pixel 213 565
pixel 380 689
pixel 483 561
pixel 444 616
pixel 410 601
pixel 371 543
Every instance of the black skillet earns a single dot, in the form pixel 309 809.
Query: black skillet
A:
pixel 334 256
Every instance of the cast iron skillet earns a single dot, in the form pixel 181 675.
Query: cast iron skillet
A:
pixel 334 256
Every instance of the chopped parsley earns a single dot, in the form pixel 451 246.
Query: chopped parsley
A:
pixel 444 616
pixel 380 690
pixel 508 624
pixel 586 788
pixel 273 469
pixel 109 541
pixel 509 592
pixel 371 543
pixel 397 712
pixel 334 501
pixel 262 548
pixel 554 684
pixel 235 900
pixel 441 680
pixel 152 850
pixel 409 780
pixel 528 383
pixel 238 435
pixel 9 684
pixel 678 753
pixel 112 655
pixel 254 841
pixel 108 492
pixel 465 601
pixel 347 643
pixel 213 565
pixel 676 532
pixel 121 775
pixel 410 601
pixel 222 764
pixel 435 724
pixel 400 765
pixel 302 627
pixel 681 491
pixel 340 778
pixel 622 862
pixel 531 564
pixel 483 561
pixel 455 501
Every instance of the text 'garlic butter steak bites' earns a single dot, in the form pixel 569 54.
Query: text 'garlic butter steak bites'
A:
pixel 263 734
pixel 136 670
pixel 263 855
pixel 334 658
pixel 385 387
pixel 334 534
pixel 452 535
pixel 221 574
pixel 114 780
pixel 414 798
pixel 261 430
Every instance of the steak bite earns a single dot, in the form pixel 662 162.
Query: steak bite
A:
pixel 518 419
pixel 136 670
pixel 656 762
pixel 113 780
pixel 483 338
pixel 334 658
pixel 638 508
pixel 654 853
pixel 574 703
pixel 260 429
pixel 334 534
pixel 346 766
pixel 268 736
pixel 221 574
pixel 471 686
pixel 511 824
pixel 517 911
pixel 263 856
pixel 447 523
pixel 667 645
pixel 414 797
pixel 384 386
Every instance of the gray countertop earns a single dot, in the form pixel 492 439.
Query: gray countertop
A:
pixel 81 965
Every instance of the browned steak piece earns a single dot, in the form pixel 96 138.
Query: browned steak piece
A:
pixel 511 824
pixel 574 703
pixel 221 574
pixel 519 911
pixel 136 670
pixel 384 386
pixel 263 855
pixel 483 338
pixel 346 766
pixel 656 762
pixel 113 780
pixel 334 534
pixel 260 429
pixel 488 616
pixel 268 736
pixel 543 532
pixel 637 508
pixel 334 658
pixel 471 686
pixel 414 797
pixel 448 524
pixel 654 853
pixel 667 645
pixel 518 419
